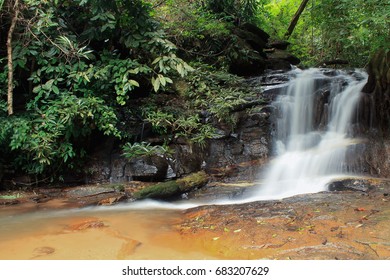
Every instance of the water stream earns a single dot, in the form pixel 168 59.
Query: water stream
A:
pixel 313 132
pixel 312 138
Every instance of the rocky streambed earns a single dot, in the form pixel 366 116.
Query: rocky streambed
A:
pixel 346 224
pixel 350 222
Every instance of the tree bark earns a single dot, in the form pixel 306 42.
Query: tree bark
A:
pixel 295 19
pixel 11 30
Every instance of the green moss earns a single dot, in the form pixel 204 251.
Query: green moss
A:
pixel 167 189
pixel 117 187
pixel 11 196
pixel 192 181
pixel 160 190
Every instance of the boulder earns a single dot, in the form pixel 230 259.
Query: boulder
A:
pixel 256 30
pixel 281 60
pixel 147 168
pixel 256 42
pixel 247 66
pixel 278 44
pixel 188 158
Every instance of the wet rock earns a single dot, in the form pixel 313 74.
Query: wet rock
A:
pixel 350 184
pixel 328 225
pixel 112 200
pixel 84 225
pixel 85 191
pixel 218 190
pixel 95 194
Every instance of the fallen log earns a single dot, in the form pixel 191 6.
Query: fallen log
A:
pixel 171 188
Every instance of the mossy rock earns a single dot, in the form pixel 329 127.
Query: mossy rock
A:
pixel 171 188
pixel 195 180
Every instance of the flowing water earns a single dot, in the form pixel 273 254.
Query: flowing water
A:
pixel 312 138
pixel 313 132
pixel 94 233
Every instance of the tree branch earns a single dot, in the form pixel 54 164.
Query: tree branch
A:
pixel 10 58
pixel 295 19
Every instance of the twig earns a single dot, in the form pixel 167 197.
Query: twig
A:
pixel 369 246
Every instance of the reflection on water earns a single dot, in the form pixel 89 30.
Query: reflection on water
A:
pixel 119 233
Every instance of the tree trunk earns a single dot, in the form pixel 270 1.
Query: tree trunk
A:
pixel 10 89
pixel 295 19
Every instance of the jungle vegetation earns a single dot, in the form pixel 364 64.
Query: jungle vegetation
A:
pixel 77 70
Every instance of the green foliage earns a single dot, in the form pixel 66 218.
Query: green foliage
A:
pixel 179 124
pixel 351 30
pixel 47 135
pixel 78 63
pixel 216 92
pixel 333 29
pixel 200 33
pixel 145 149
pixel 244 10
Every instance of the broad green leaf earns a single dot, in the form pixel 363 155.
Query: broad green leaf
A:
pixel 55 89
pixel 180 69
pixel 156 60
pixel 156 84
pixel 162 80
pixel 134 83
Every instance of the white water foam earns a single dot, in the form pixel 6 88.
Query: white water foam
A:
pixel 308 158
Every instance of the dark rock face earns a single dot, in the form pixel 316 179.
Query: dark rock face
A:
pixel 256 42
pixel 237 153
pixel 373 121
pixel 153 168
pixel 281 60
pixel 256 30
pixel 280 45
pixel 375 108
pixel 263 54
pixel 115 168
pixel 241 154
pixel 254 66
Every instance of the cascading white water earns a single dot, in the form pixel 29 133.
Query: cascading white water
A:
pixel 308 157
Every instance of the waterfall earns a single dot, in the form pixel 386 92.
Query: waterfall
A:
pixel 312 132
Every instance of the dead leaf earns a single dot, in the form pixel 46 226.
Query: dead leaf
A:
pixel 360 209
